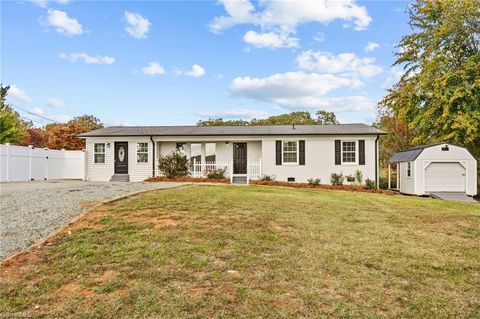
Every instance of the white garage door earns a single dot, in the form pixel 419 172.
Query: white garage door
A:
pixel 445 177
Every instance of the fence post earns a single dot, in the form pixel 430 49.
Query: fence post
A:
pixel 30 162
pixel 260 168
pixel 85 164
pixel 8 161
pixel 194 167
pixel 231 172
pixel 46 163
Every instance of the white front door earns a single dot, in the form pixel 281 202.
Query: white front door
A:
pixel 445 177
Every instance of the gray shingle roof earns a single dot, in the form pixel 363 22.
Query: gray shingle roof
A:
pixel 409 154
pixel 339 129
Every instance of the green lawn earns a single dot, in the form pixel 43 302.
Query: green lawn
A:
pixel 229 251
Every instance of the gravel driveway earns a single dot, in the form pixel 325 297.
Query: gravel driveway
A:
pixel 30 211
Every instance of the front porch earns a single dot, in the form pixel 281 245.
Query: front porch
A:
pixel 241 160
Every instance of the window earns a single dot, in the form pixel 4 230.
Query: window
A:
pixel 99 153
pixel 409 169
pixel 290 152
pixel 142 152
pixel 349 151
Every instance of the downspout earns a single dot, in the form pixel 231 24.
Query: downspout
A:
pixel 376 161
pixel 153 156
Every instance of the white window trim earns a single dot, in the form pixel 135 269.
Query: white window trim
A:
pixel 411 169
pixel 356 153
pixel 104 153
pixel 298 153
pixel 148 153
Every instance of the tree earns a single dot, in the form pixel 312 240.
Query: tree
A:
pixel 221 122
pixel 297 118
pixel 66 135
pixel 34 136
pixel 12 128
pixel 438 97
pixel 324 117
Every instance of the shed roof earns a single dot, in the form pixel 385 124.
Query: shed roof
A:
pixel 337 129
pixel 409 154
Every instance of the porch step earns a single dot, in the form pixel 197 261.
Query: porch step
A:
pixel 239 180
pixel 120 178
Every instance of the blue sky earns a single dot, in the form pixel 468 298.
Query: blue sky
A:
pixel 172 62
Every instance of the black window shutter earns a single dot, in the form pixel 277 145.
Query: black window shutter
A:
pixel 338 155
pixel 301 153
pixel 361 152
pixel 278 152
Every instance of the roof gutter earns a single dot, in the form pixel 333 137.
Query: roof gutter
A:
pixel 153 156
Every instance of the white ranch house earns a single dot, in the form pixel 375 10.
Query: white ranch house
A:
pixel 289 152
pixel 436 168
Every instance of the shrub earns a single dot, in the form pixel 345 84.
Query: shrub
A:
pixel 314 181
pixel 174 165
pixel 369 183
pixel 268 178
pixel 350 178
pixel 336 179
pixel 383 182
pixel 218 173
pixel 358 176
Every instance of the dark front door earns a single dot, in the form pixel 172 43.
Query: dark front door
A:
pixel 121 157
pixel 239 158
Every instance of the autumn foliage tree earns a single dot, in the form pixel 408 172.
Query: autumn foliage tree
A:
pixel 66 135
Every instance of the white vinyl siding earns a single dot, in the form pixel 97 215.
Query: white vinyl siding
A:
pixel 99 153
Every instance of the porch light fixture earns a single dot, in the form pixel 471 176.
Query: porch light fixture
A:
pixel 108 144
pixel 226 143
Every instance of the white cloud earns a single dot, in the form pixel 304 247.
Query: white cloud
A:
pixel 88 59
pixel 287 15
pixel 44 3
pixel 371 46
pixel 394 75
pixel 300 90
pixel 232 113
pixel 56 103
pixel 153 68
pixel 19 94
pixel 320 37
pixel 196 71
pixel 337 104
pixel 63 118
pixel 137 26
pixel 271 40
pixel 63 23
pixel 345 64
pixel 37 110
pixel 288 85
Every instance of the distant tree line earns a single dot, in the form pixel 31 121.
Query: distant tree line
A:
pixel 15 130
pixel 297 118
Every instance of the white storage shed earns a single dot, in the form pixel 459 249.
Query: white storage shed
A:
pixel 436 168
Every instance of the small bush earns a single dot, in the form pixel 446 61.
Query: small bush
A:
pixel 314 181
pixel 358 176
pixel 174 165
pixel 383 182
pixel 369 184
pixel 268 178
pixel 218 173
pixel 350 178
pixel 337 179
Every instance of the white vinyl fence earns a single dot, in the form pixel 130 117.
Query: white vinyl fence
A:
pixel 25 163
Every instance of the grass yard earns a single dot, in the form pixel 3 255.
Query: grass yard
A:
pixel 229 251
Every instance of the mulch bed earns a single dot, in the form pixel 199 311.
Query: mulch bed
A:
pixel 350 188
pixel 187 180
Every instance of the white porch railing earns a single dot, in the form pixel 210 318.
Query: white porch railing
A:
pixel 254 168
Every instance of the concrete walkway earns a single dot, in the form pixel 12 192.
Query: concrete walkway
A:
pixel 458 197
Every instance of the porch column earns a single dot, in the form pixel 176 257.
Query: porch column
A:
pixel 202 155
pixel 398 173
pixel 389 186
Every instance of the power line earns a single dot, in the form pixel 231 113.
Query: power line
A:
pixel 34 114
